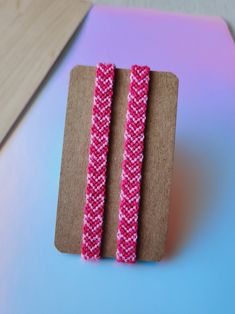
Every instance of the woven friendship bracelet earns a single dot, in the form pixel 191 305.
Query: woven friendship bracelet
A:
pixel 132 164
pixel 97 164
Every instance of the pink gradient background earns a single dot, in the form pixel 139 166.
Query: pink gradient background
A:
pixel 199 277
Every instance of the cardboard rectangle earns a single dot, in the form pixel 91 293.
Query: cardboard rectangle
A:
pixel 157 166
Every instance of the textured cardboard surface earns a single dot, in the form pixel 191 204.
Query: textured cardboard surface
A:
pixel 157 167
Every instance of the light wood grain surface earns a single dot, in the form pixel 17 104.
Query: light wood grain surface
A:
pixel 33 34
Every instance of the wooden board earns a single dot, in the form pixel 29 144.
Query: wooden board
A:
pixel 157 167
pixel 33 35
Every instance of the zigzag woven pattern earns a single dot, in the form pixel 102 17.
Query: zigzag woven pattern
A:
pixel 96 172
pixel 132 164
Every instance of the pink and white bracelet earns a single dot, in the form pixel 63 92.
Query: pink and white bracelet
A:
pixel 132 164
pixel 97 164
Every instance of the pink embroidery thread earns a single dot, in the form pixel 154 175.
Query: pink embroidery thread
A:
pixel 132 164
pixel 96 172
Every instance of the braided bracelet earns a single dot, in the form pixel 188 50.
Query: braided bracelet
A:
pixel 132 164
pixel 97 164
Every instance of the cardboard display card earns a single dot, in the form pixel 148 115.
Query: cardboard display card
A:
pixel 157 165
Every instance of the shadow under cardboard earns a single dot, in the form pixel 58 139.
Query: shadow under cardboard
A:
pixel 231 30
pixel 193 188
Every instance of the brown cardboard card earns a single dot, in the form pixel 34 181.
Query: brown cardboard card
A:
pixel 157 166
